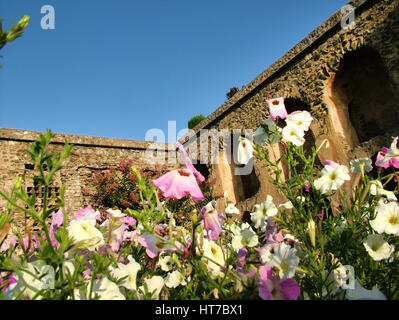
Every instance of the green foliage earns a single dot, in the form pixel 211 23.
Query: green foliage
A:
pixel 195 120
pixel 14 32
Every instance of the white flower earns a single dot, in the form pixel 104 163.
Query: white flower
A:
pixel 301 119
pixel 127 270
pixel 245 151
pixel 232 209
pixel 37 276
pixel 376 188
pixel 358 163
pixel 104 288
pixel 392 152
pixel 294 134
pixel 154 285
pixel 360 293
pixel 387 219
pixel 175 279
pixel 377 247
pixel 285 260
pixel 332 178
pixel 213 251
pixel 166 263
pixel 261 136
pixel 85 230
pixel 265 253
pixel 262 212
pixel 246 238
pixel 287 205
pixel 116 213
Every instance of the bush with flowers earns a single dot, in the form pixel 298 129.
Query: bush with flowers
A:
pixel 301 249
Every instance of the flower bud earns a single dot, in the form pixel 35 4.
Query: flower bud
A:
pixel 312 232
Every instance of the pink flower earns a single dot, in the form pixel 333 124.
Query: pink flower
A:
pixel 320 214
pixel 189 164
pixel 242 255
pixel 130 221
pixel 331 163
pixel 277 108
pixel 307 186
pixel 275 237
pixel 154 245
pixel 56 222
pixel 87 213
pixel 394 162
pixel 272 288
pixel 212 220
pixel 179 183
pixel 11 280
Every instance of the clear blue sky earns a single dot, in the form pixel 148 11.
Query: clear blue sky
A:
pixel 119 68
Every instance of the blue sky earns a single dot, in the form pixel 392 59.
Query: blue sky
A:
pixel 119 68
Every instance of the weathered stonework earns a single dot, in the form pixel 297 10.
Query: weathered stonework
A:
pixel 347 79
pixel 89 154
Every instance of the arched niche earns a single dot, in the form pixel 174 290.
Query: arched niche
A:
pixel 361 91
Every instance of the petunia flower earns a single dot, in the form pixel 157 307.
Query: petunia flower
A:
pixel 213 251
pixel 154 285
pixel 294 134
pixel 358 164
pixel 285 260
pixel 175 279
pixel 166 263
pixel 262 212
pixel 246 238
pixel 332 178
pixel 87 213
pixel 154 245
pixel 394 161
pixel 301 119
pixel 392 152
pixel 271 288
pixel 189 164
pixel 212 220
pixel 104 288
pixel 56 222
pixel 86 231
pixel 179 183
pixel 376 188
pixel 387 218
pixel 378 248
pixel 277 108
pixel 116 213
pixel 232 209
pixel 127 270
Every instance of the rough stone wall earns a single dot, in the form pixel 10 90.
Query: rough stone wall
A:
pixel 313 74
pixel 89 154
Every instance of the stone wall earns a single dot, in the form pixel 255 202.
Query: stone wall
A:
pixel 347 79
pixel 89 154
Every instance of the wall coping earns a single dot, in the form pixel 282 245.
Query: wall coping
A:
pixel 283 61
pixel 22 135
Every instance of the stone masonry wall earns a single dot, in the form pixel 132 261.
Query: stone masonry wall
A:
pixel 89 154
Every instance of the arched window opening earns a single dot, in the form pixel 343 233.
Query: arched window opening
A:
pixel 362 89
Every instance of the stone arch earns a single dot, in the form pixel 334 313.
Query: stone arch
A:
pixel 362 93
